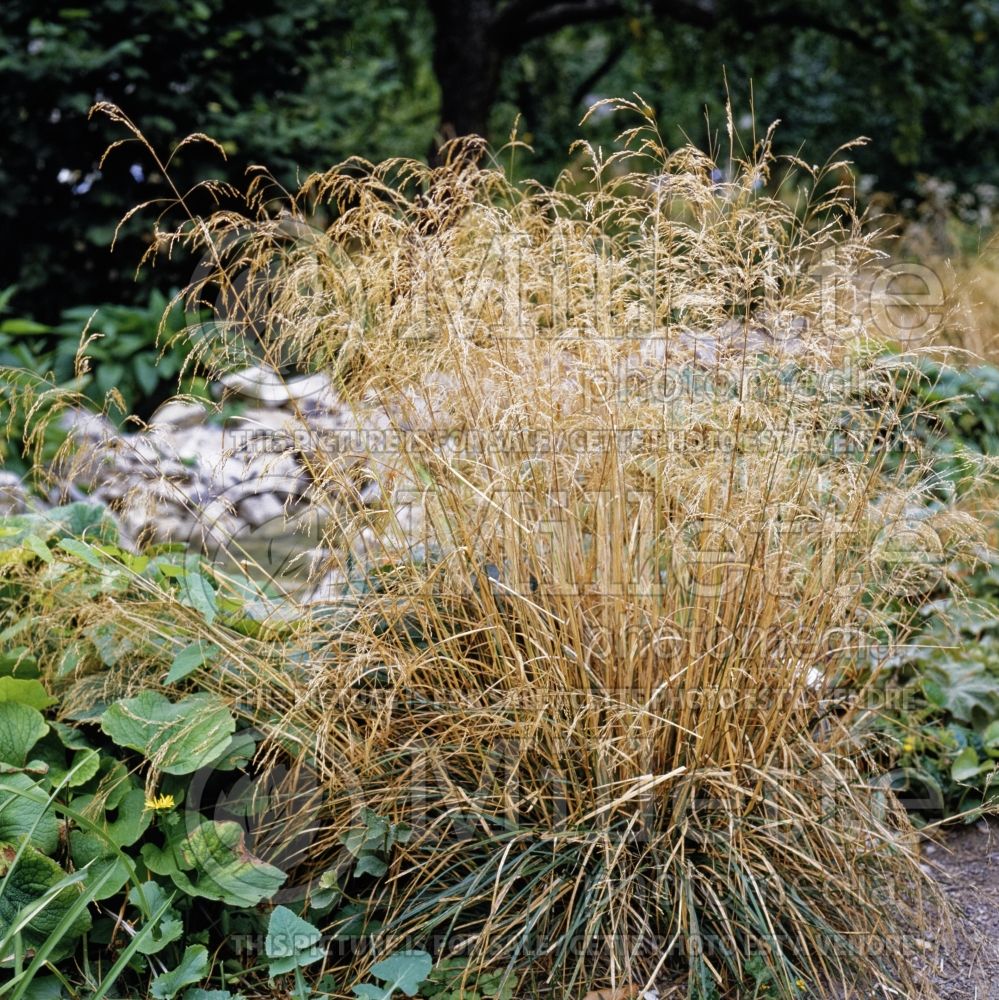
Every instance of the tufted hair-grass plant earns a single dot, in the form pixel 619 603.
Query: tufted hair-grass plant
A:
pixel 636 557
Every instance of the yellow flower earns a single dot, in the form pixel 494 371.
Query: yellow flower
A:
pixel 800 983
pixel 159 803
pixel 908 744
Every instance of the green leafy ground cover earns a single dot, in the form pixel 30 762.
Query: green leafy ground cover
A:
pixel 943 713
pixel 112 883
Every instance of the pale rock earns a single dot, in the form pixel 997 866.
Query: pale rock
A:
pixel 13 495
pixel 261 508
pixel 177 414
pixel 309 387
pixel 261 384
pixel 86 426
pixel 285 488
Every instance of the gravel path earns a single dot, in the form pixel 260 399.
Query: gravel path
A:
pixel 966 865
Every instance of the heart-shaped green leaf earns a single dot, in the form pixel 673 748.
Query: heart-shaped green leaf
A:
pixel 212 861
pixel 291 942
pixel 193 968
pixel 191 657
pixel 990 738
pixel 965 766
pixel 26 811
pixel 25 692
pixel 18 662
pixel 151 898
pixel 405 970
pixel 964 687
pixel 196 592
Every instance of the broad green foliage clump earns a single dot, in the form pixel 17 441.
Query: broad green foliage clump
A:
pixel 955 411
pixel 289 86
pixel 947 728
pixel 76 822
pixel 125 359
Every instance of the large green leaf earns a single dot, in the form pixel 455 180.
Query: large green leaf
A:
pixel 19 661
pixel 966 765
pixel 74 520
pixel 82 550
pixel 25 692
pixel 964 687
pixel 990 738
pixel 25 811
pixel 25 880
pixel 212 861
pixel 178 737
pixel 405 970
pixel 130 820
pixel 84 766
pixel 107 873
pixel 151 898
pixel 44 988
pixel 110 642
pixel 119 824
pixel 21 727
pixel 190 658
pixel 196 592
pixel 86 520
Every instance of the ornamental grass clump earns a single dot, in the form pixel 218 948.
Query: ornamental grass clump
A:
pixel 634 556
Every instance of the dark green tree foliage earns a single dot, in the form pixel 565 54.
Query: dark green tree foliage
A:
pixel 299 84
pixel 920 77
pixel 293 84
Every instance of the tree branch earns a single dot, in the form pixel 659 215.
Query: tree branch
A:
pixel 520 21
pixel 699 13
pixel 605 65
pixel 523 20
pixel 802 18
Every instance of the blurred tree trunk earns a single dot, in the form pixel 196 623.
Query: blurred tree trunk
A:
pixel 468 56
pixel 473 38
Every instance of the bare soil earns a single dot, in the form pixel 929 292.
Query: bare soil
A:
pixel 965 863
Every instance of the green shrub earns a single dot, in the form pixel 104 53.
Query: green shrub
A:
pixel 135 353
pixel 942 714
pixel 71 797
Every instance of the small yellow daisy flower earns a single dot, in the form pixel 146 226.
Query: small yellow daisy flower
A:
pixel 160 803
pixel 800 983
pixel 908 744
